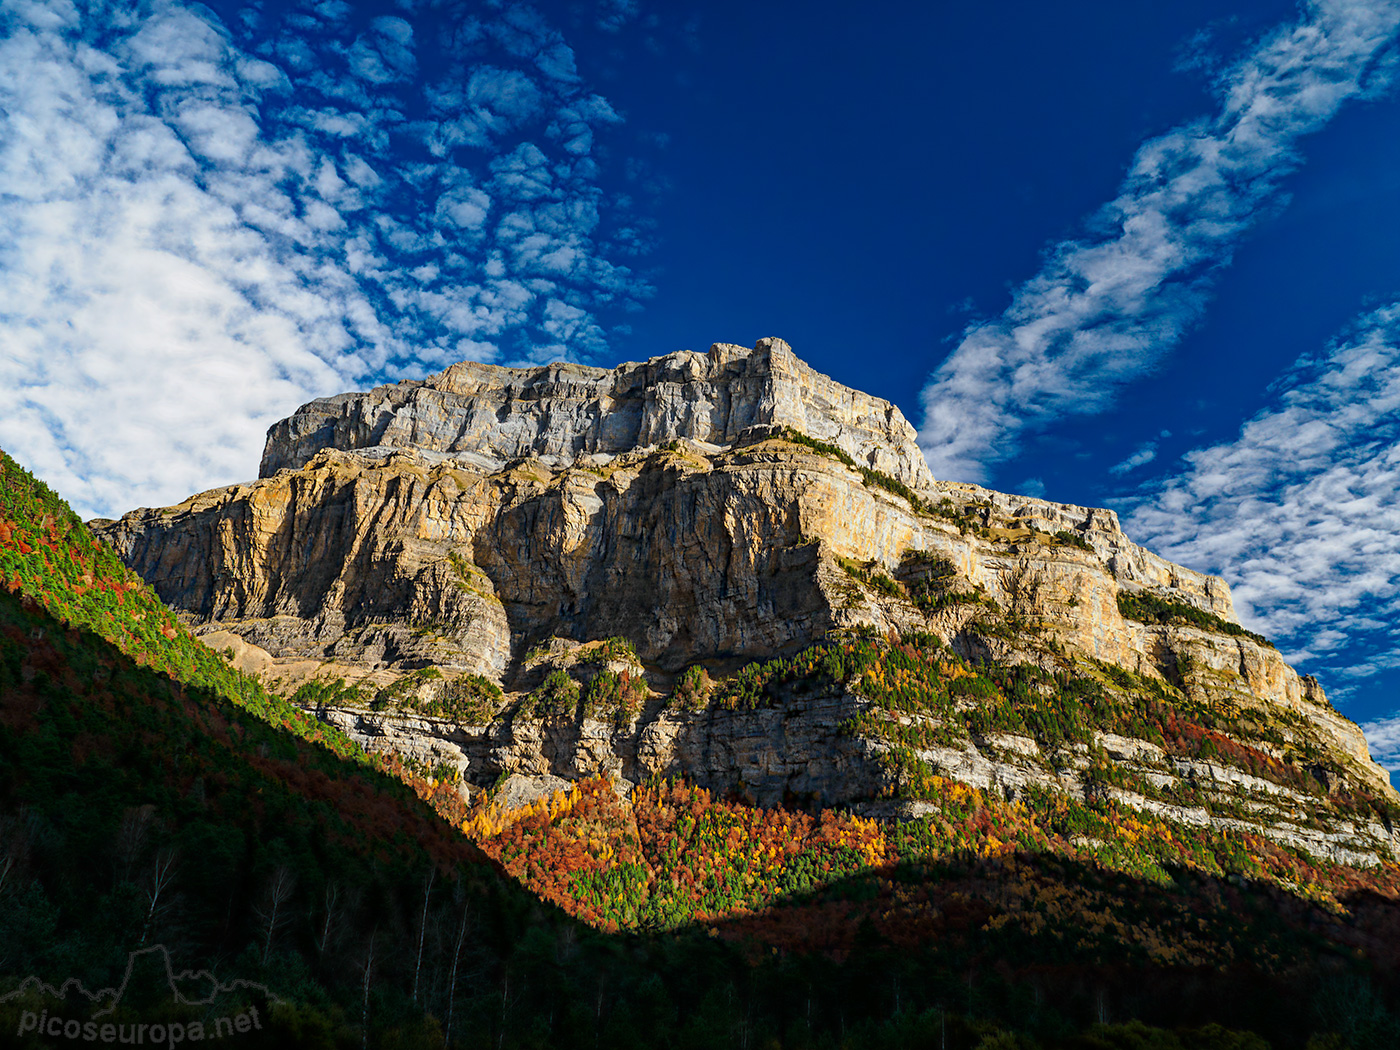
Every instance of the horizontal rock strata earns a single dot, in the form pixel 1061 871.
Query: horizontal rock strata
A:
pixel 798 753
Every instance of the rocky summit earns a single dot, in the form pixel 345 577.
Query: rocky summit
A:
pixel 563 414
pixel 728 567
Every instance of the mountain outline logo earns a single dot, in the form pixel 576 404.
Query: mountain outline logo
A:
pixel 61 991
pixel 180 986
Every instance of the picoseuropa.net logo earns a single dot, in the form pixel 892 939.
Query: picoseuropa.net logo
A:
pixel 136 1034
pixel 42 1011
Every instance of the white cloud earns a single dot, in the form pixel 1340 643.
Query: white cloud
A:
pixel 198 231
pixel 384 54
pixel 1104 308
pixel 1383 739
pixel 1301 513
pixel 464 206
pixel 523 175
pixel 1144 455
pixel 503 98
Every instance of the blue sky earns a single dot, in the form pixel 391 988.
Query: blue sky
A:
pixel 1124 254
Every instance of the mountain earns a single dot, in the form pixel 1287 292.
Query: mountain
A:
pixel 529 577
pixel 937 814
pixel 182 851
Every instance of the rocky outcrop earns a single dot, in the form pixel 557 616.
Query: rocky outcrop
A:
pixel 797 752
pixel 563 414
pixel 706 509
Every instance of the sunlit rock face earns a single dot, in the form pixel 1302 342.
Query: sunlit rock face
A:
pixel 471 521
pixel 561 413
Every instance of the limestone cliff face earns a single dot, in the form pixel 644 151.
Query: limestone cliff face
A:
pixel 798 753
pixel 472 521
pixel 489 416
pixel 771 755
pixel 691 553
